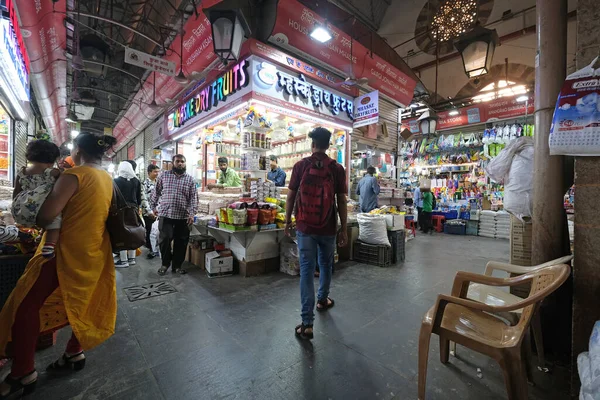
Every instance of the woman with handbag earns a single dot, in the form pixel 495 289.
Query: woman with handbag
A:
pixel 131 189
pixel 78 286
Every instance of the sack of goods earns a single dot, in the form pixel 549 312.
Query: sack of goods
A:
pixel 372 229
pixel 514 167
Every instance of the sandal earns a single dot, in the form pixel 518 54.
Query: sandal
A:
pixel 67 363
pixel 163 270
pixel 324 305
pixel 17 384
pixel 303 334
pixel 180 271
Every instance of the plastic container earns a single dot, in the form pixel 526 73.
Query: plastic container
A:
pixel 455 229
pixel 397 240
pixel 378 255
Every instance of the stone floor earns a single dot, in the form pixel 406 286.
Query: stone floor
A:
pixel 233 337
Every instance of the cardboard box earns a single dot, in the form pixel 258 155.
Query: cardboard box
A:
pixel 198 257
pixel 251 268
pixel 272 265
pixel 215 264
pixel 521 244
pixel 394 222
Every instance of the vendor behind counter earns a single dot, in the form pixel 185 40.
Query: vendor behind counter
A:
pixel 368 190
pixel 229 177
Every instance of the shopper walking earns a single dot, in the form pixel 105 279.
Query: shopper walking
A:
pixel 131 189
pixel 317 182
pixel 176 197
pixel 368 190
pixel 83 270
pixel 276 174
pixel 147 213
pixel 428 206
pixel 418 201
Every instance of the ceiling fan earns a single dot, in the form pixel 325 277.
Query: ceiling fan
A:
pixel 351 79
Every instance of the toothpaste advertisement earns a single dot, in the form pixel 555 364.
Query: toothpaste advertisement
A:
pixel 575 126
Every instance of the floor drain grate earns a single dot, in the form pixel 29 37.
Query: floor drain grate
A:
pixel 149 290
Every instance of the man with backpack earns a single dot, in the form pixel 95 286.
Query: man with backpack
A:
pixel 318 188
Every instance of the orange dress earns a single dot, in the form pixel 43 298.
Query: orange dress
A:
pixel 86 297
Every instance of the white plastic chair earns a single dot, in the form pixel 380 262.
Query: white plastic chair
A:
pixel 497 297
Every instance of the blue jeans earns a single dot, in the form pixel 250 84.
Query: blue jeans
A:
pixel 308 248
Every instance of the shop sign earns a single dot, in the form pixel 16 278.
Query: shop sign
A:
pixel 366 109
pixel 233 80
pixel 491 111
pixel 148 61
pixel 292 31
pixel 298 86
pixel 12 62
pixel 9 8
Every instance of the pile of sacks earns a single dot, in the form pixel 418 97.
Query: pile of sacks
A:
pixel 494 224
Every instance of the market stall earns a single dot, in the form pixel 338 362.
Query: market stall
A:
pixel 452 161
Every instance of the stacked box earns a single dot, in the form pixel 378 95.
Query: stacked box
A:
pixel 520 242
pixel 397 240
pixel 494 224
pixel 378 255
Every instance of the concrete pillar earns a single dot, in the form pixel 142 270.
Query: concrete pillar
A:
pixel 548 191
pixel 586 271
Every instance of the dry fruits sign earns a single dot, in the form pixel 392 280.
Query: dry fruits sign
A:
pixel 366 109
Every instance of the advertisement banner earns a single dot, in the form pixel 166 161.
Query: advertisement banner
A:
pixel 366 109
pixel 344 55
pixel 148 61
pixel 491 111
pixel 12 64
pixel 575 129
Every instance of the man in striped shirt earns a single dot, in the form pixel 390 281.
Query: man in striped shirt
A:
pixel 176 199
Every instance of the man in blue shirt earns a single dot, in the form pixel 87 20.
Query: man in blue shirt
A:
pixel 276 174
pixel 418 201
pixel 368 189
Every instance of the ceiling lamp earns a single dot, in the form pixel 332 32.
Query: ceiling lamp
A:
pixel 320 33
pixel 181 78
pixel 153 105
pixel 452 19
pixel 228 30
pixel 477 50
pixel 428 122
pixel 71 116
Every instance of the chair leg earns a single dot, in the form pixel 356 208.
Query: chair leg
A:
pixel 444 349
pixel 527 355
pixel 424 338
pixel 536 327
pixel 514 376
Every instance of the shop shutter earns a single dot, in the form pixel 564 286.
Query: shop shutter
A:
pixel 139 145
pixel 388 114
pixel 20 144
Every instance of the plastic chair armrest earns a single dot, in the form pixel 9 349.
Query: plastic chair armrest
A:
pixel 510 268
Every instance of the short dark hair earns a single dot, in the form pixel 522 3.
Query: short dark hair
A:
pixel 273 157
pixel 178 156
pixel 94 146
pixel 133 164
pixel 42 151
pixel 370 169
pixel 152 167
pixel 222 160
pixel 320 138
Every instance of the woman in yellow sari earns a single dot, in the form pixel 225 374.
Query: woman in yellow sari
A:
pixel 78 286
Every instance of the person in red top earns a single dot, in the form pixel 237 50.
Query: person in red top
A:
pixel 318 191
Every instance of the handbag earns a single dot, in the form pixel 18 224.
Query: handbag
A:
pixel 124 223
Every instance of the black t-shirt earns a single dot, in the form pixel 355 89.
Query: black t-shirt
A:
pixel 131 190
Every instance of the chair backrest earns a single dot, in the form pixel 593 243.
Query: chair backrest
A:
pixel 561 260
pixel 544 281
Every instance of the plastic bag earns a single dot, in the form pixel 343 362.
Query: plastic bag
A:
pixel 514 167
pixel 154 236
pixel 289 261
pixel 239 216
pixel 372 229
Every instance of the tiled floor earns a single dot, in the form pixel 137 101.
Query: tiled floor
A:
pixel 233 337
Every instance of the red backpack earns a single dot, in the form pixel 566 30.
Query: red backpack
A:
pixel 316 195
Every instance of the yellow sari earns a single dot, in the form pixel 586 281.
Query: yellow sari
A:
pixel 86 297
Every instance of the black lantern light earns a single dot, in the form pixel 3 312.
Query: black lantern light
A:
pixel 228 30
pixel 477 50
pixel 428 122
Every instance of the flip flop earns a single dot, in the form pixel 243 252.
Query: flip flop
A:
pixel 163 270
pixel 324 306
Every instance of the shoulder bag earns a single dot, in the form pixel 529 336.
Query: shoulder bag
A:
pixel 124 223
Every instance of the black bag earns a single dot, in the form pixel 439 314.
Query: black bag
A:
pixel 124 223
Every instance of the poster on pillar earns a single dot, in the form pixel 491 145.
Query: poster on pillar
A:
pixel 575 129
pixel 366 109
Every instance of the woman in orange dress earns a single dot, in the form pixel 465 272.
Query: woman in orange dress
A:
pixel 78 286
